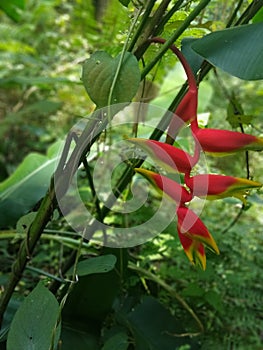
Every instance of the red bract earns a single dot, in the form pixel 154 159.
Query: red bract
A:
pixel 186 111
pixel 187 108
pixel 212 186
pixel 171 158
pixel 175 191
pixel 221 142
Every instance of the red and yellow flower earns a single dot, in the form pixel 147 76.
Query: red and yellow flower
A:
pixel 192 232
pixel 194 236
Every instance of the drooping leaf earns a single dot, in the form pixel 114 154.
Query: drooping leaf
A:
pixel 35 321
pixel 238 50
pixel 27 185
pixel 100 264
pixel 98 75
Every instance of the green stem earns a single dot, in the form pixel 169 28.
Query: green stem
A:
pixel 153 27
pixel 170 13
pixel 250 12
pixel 71 242
pixel 124 49
pixel 27 247
pixel 234 14
pixel 144 21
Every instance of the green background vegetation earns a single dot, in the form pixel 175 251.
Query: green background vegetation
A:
pixel 42 48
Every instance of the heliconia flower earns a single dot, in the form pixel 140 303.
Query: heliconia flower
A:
pixel 222 142
pixel 212 186
pixel 171 158
pixel 194 235
pixel 162 183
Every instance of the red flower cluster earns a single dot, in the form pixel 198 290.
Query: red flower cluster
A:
pixel 193 234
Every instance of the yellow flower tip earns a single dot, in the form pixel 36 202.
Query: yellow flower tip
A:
pixel 201 261
pixel 245 183
pixel 211 244
pixel 196 254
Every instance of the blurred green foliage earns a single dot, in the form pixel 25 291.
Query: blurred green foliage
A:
pixel 43 45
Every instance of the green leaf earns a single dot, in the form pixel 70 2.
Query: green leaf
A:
pixel 117 342
pixel 34 322
pixel 193 59
pixel 98 75
pixel 125 2
pixel 152 326
pixel 100 264
pixel 74 337
pixel 193 290
pixel 214 299
pixel 259 16
pixel 26 186
pixel 92 297
pixel 238 50
pixel 11 7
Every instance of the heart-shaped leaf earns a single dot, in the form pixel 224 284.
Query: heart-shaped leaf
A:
pixel 238 51
pixel 99 73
